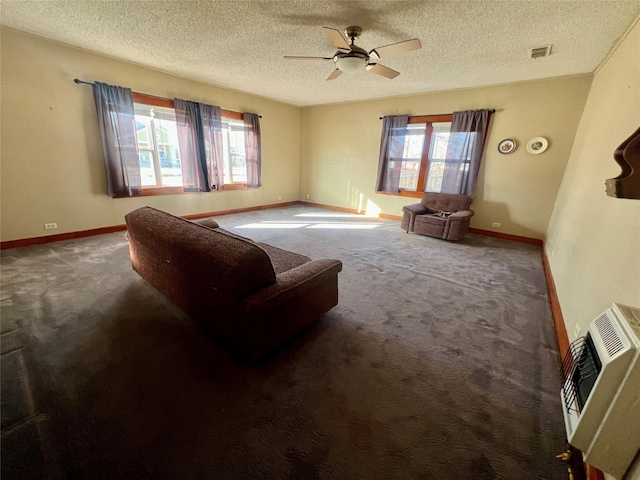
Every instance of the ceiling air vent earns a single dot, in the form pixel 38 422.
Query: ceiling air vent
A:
pixel 540 52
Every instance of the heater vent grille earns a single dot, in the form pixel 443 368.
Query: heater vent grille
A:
pixel 610 338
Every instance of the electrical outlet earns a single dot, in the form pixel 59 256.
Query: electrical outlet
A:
pixel 576 331
pixel 496 224
pixel 279 198
pixel 49 226
pixel 308 196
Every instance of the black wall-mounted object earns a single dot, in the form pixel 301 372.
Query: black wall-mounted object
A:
pixel 627 155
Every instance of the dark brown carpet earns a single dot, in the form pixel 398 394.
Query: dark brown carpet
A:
pixel 440 362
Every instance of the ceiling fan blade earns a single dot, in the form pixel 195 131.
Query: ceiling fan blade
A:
pixel 396 48
pixel 293 57
pixel 335 74
pixel 337 39
pixel 382 70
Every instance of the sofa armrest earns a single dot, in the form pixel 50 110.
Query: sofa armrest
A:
pixel 207 222
pixel 292 283
pixel 415 209
pixel 460 215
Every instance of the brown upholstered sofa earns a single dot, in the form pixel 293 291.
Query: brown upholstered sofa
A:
pixel 442 215
pixel 251 296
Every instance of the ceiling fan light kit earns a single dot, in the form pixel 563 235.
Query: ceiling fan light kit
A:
pixel 351 63
pixel 350 58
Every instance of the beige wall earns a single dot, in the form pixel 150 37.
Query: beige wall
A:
pixel 340 145
pixel 594 240
pixel 52 164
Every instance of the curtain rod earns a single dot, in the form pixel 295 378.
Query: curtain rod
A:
pixel 435 115
pixel 78 81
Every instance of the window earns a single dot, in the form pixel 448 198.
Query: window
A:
pixel 435 153
pixel 159 151
pixel 235 165
pixel 424 156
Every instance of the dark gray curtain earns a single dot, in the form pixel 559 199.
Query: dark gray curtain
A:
pixel 394 130
pixel 464 151
pixel 116 118
pixel 212 136
pixel 193 156
pixel 252 149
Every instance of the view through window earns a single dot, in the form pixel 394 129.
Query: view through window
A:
pixel 235 166
pixel 159 150
pixel 424 156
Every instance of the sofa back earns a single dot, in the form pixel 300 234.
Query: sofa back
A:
pixel 446 202
pixel 197 267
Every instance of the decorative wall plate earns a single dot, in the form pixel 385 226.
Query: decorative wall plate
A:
pixel 507 146
pixel 537 145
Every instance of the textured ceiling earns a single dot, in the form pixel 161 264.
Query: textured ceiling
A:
pixel 240 44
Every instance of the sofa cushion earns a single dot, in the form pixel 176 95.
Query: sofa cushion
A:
pixel 189 262
pixel 283 260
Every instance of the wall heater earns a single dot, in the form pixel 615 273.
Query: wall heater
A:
pixel 601 390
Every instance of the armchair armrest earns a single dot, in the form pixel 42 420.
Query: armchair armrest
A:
pixel 292 283
pixel 460 215
pixel 409 215
pixel 415 209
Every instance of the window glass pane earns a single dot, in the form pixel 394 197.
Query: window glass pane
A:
pixel 414 141
pixel 236 149
pixel 439 140
pixel 168 148
pixel 437 155
pixel 409 173
pixel 413 144
pixel 147 172
pixel 235 168
pixel 143 129
pixel 157 136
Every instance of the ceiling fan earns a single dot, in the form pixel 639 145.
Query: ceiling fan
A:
pixel 350 57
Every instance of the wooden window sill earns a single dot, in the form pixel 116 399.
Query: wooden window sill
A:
pixel 403 193
pixel 153 191
pixel 150 191
pixel 235 186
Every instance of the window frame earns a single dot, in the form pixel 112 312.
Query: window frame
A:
pixel 152 100
pixel 424 160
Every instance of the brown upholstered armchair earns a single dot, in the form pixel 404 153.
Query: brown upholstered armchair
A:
pixel 442 215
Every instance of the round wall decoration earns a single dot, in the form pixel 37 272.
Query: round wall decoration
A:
pixel 537 145
pixel 507 146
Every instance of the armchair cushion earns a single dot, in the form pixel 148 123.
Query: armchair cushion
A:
pixel 430 219
pixel 447 202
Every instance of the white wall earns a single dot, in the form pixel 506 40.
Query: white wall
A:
pixel 51 152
